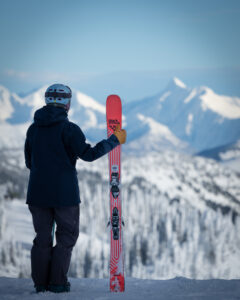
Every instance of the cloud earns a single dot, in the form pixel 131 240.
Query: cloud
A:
pixel 31 76
pixel 45 76
pixel 17 74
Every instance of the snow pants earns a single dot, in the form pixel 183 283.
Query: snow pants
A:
pixel 50 264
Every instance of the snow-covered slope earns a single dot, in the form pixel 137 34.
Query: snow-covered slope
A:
pixel 224 106
pixel 153 136
pixel 98 289
pixel 182 217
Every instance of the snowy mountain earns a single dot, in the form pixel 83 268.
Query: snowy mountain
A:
pixel 88 114
pixel 196 116
pixel 180 118
pixel 17 114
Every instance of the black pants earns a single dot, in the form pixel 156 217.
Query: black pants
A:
pixel 50 264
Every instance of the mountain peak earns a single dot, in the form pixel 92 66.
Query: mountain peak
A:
pixel 176 82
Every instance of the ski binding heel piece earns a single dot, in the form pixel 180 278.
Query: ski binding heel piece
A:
pixel 115 223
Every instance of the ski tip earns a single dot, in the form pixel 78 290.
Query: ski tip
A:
pixel 113 98
pixel 113 95
pixel 113 111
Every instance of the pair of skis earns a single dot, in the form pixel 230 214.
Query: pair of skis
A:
pixel 114 117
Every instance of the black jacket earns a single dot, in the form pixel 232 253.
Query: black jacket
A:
pixel 53 145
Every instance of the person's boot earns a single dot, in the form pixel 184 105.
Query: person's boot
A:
pixel 40 288
pixel 59 288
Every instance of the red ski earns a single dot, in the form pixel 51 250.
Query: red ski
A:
pixel 114 117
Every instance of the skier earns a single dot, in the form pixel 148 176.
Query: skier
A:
pixel 53 145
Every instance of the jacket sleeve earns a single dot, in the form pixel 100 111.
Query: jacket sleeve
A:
pixel 27 150
pixel 85 151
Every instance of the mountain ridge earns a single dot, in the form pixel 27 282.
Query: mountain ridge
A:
pixel 197 117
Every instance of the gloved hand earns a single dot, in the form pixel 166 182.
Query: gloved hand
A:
pixel 121 134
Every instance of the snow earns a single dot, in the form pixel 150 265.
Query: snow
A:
pixel 12 136
pixel 158 136
pixel 178 288
pixel 179 83
pixel 164 96
pixel 191 96
pixel 87 101
pixel 159 129
pixel 5 104
pixel 92 120
pixel 35 100
pixel 227 107
pixel 233 164
pixel 19 222
pixel 231 154
pixel 189 124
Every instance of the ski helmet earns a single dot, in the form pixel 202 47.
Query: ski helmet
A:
pixel 58 95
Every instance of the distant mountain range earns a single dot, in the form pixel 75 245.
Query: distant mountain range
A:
pixel 196 116
pixel 178 118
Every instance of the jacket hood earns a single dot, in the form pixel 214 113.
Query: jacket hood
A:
pixel 49 115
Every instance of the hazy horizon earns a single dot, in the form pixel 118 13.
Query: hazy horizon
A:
pixel 127 47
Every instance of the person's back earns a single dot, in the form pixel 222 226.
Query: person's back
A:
pixel 53 180
pixel 52 147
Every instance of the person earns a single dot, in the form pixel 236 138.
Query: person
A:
pixel 52 146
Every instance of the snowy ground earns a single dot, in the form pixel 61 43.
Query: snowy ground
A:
pixel 174 289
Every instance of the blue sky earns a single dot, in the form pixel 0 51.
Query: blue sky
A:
pixel 78 41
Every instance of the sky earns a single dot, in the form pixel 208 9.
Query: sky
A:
pixel 132 46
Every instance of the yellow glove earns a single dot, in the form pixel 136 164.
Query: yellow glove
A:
pixel 121 134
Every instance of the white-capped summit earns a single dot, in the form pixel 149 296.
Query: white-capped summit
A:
pixel 176 82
